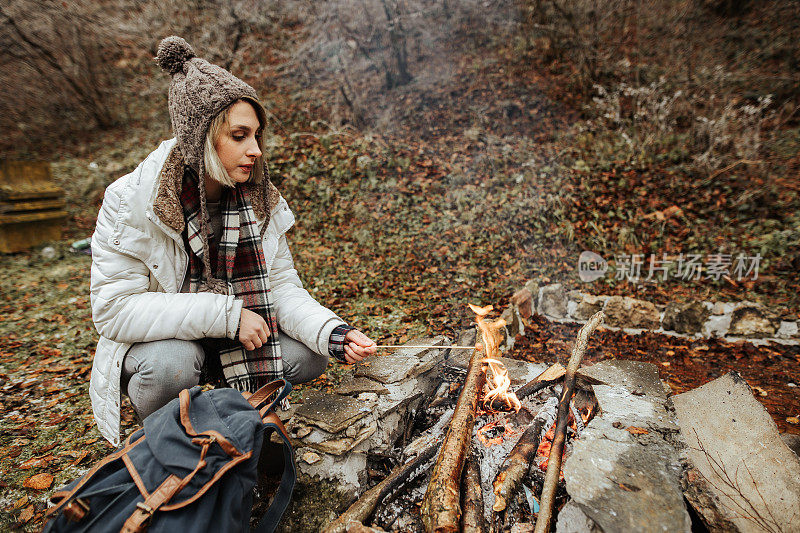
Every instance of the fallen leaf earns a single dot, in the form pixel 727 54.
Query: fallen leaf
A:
pixel 793 420
pixel 761 392
pixel 41 481
pixel 20 503
pixel 26 514
pixel 633 430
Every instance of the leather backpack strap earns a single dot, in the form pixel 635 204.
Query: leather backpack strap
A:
pixel 62 498
pixel 283 495
pixel 264 393
pixel 137 522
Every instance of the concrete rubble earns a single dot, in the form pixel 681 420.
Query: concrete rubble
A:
pixel 741 474
pixel 632 313
pixel 693 318
pixel 624 472
pixel 687 318
pixel 365 414
pixel 552 301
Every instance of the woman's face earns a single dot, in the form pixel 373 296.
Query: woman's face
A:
pixel 238 146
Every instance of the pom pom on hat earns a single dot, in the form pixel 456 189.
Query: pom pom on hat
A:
pixel 173 52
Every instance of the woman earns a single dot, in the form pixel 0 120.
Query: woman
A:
pixel 191 266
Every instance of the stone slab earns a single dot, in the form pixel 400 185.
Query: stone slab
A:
pixel 732 440
pixel 387 368
pixel 572 519
pixel 354 386
pixel 623 486
pixel 624 471
pixel 636 377
pixel 331 412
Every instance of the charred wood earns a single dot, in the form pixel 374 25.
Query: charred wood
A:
pixel 516 465
pixel 547 378
pixel 441 509
pixel 363 508
pixel 472 520
pixel 557 448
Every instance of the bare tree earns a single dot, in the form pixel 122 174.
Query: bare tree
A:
pixel 59 54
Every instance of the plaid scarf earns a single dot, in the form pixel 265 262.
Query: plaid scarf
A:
pixel 238 263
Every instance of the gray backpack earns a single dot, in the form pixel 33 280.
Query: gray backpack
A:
pixel 192 467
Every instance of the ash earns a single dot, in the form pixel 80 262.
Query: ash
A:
pixel 491 458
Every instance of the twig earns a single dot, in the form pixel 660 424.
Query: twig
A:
pixel 711 178
pixel 557 448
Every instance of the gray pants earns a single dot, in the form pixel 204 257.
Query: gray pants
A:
pixel 153 373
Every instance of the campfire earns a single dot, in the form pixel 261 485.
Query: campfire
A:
pixel 492 458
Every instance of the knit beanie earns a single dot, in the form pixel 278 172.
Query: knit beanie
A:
pixel 198 92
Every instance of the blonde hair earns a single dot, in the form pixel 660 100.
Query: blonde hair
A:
pixel 211 161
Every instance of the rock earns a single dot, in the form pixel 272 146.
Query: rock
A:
pixel 515 325
pixel 310 457
pixel 792 441
pixel 571 519
pixel 687 318
pixel 717 325
pixel 356 385
pixel 522 300
pixel 386 368
pixel 331 412
pixel 787 330
pixel 48 252
pixel 627 312
pixel 472 134
pixel 575 295
pixel 303 432
pixel 553 301
pixel 588 306
pixel 736 449
pixel 623 472
pixel 533 288
pixel 753 320
pixel 721 308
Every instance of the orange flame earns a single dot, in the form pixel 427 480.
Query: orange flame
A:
pixel 498 382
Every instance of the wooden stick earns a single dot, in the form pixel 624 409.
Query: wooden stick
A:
pixel 363 507
pixel 441 509
pixel 473 521
pixel 453 347
pixel 516 465
pixel 557 449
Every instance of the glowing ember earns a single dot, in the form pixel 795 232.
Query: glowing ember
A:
pixel 498 384
pixel 543 451
pixel 494 428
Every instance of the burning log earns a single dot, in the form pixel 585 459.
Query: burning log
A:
pixel 363 507
pixel 441 511
pixel 472 521
pixel 516 465
pixel 557 449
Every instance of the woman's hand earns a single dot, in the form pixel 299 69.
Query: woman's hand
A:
pixel 253 330
pixel 358 346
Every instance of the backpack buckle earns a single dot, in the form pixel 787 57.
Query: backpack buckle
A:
pixel 76 510
pixel 144 507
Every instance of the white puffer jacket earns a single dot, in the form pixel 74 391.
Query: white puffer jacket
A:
pixel 138 266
